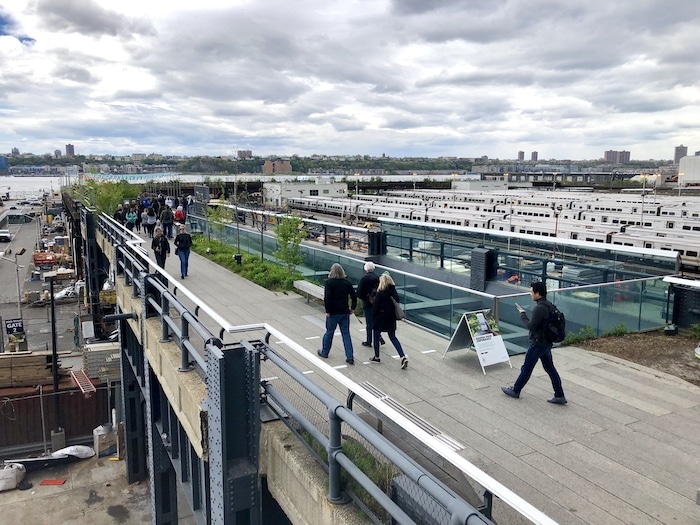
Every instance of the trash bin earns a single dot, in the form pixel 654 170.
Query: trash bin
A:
pixel 238 258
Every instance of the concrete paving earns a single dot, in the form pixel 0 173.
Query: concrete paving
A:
pixel 624 450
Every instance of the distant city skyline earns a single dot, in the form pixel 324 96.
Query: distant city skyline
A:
pixel 611 156
pixel 396 78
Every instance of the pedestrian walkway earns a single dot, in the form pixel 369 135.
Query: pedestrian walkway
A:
pixel 624 450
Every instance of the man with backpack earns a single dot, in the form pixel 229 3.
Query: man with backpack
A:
pixel 166 219
pixel 542 334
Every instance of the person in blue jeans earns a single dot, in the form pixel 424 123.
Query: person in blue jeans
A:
pixel 384 313
pixel 339 300
pixel 540 348
pixel 183 241
pixel 366 291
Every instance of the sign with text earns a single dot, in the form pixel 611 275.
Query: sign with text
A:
pixel 479 330
pixel 14 326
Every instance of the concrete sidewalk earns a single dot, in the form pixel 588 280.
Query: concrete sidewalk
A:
pixel 624 450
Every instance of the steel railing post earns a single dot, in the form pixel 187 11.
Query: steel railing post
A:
pixel 334 469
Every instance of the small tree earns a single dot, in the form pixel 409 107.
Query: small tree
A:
pixel 216 216
pixel 289 234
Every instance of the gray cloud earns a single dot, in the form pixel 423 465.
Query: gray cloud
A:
pixel 87 17
pixel 409 77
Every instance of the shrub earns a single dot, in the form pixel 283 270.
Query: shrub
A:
pixel 583 334
pixel 695 330
pixel 265 274
pixel 616 331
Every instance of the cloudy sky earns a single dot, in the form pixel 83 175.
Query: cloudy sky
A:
pixel 568 78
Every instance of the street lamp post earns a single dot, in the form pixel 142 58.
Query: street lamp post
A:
pixel 644 192
pixel 414 182
pixel 557 211
pixel 454 186
pixel 19 288
pixel 357 184
pixel 680 176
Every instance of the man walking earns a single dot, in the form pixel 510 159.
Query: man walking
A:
pixel 161 247
pixel 166 220
pixel 366 290
pixel 540 347
pixel 335 299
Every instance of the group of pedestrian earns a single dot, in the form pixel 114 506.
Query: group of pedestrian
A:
pixel 378 295
pixel 183 243
pixel 147 214
pixel 157 219
pixel 379 299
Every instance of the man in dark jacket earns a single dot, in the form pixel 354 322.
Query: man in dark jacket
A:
pixel 119 215
pixel 161 247
pixel 540 348
pixel 365 288
pixel 335 299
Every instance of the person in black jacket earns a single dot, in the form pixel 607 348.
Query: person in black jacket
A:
pixel 183 241
pixel 161 247
pixel 385 317
pixel 337 292
pixel 365 288
pixel 540 348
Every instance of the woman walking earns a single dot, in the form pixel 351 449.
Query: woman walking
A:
pixel 131 217
pixel 183 241
pixel 385 317
pixel 151 220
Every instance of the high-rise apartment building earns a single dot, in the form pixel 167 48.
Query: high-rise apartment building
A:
pixel 244 154
pixel 680 152
pixel 534 156
pixel 521 155
pixel 70 150
pixel 616 157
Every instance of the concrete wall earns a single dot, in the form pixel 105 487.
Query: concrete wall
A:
pixel 297 482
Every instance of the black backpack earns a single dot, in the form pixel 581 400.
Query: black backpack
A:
pixel 556 325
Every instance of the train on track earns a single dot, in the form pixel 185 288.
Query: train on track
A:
pixel 646 220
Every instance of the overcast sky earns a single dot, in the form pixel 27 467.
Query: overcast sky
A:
pixel 567 78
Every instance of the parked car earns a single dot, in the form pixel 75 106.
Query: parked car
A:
pixel 5 236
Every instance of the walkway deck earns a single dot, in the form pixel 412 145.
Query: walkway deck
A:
pixel 624 450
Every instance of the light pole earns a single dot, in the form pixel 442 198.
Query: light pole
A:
pixel 644 192
pixel 357 184
pixel 680 176
pixel 414 183
pixel 454 186
pixel 19 288
pixel 557 211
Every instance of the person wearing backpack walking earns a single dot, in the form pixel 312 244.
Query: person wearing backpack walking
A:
pixel 367 291
pixel 166 219
pixel 540 348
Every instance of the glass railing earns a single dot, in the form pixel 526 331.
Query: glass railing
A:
pixel 633 305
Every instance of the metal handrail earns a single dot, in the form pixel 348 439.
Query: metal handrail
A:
pixel 490 484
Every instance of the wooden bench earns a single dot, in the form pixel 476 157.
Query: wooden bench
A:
pixel 310 289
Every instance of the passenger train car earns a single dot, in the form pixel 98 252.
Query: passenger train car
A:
pixel 657 222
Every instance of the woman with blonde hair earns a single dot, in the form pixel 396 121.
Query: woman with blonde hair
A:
pixel 385 317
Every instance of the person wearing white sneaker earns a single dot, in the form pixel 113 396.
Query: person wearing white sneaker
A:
pixel 385 317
